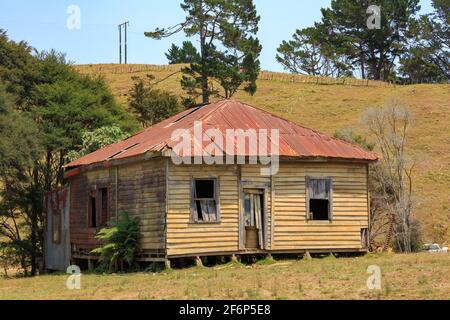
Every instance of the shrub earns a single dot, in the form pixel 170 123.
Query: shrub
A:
pixel 120 244
pixel 350 136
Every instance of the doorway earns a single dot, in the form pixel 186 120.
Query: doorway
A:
pixel 254 218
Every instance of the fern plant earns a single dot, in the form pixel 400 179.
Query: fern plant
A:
pixel 120 244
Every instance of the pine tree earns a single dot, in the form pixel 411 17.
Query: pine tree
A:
pixel 428 57
pixel 151 105
pixel 374 51
pixel 186 54
pixel 229 49
pixel 308 53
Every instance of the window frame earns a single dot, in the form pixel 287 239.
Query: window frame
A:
pixel 308 180
pixel 193 219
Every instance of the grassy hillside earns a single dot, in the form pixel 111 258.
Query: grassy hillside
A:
pixel 328 108
pixel 415 276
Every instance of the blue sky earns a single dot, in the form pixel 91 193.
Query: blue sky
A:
pixel 43 25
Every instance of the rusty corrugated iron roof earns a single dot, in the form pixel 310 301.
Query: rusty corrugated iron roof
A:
pixel 295 140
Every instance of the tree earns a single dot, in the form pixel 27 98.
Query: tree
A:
pixel 229 50
pixel 52 107
pixel 18 68
pixel 374 51
pixel 428 57
pixel 151 105
pixel 438 36
pixel 97 139
pixel 308 53
pixel 393 177
pixel 418 67
pixel 392 219
pixel 67 104
pixel 63 104
pixel 186 54
pixel 17 185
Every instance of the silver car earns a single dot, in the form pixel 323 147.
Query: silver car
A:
pixel 435 248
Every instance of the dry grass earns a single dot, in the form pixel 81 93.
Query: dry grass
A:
pixel 332 107
pixel 418 276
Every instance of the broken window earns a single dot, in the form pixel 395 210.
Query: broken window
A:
pixel 319 198
pixel 249 218
pixel 253 207
pixel 92 212
pixel 205 200
pixel 104 206
pixel 98 210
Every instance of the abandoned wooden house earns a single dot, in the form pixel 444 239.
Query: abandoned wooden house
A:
pixel 317 200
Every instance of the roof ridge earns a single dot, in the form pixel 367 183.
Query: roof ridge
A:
pixel 219 104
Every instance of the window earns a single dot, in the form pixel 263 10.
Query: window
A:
pixel 205 202
pixel 249 218
pixel 104 206
pixel 253 208
pixel 319 198
pixel 98 210
pixel 92 212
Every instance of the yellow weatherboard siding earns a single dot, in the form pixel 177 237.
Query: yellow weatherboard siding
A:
pixel 184 237
pixel 350 208
pixel 291 231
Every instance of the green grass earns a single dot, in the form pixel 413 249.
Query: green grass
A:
pixel 328 108
pixel 416 276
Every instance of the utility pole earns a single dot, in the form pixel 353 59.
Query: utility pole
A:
pixel 126 47
pixel 123 25
pixel 120 44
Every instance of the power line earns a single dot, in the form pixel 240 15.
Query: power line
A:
pixel 123 26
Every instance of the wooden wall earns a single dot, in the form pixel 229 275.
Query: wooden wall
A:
pixel 350 207
pixel 80 235
pixel 141 193
pixel 184 238
pixel 289 229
